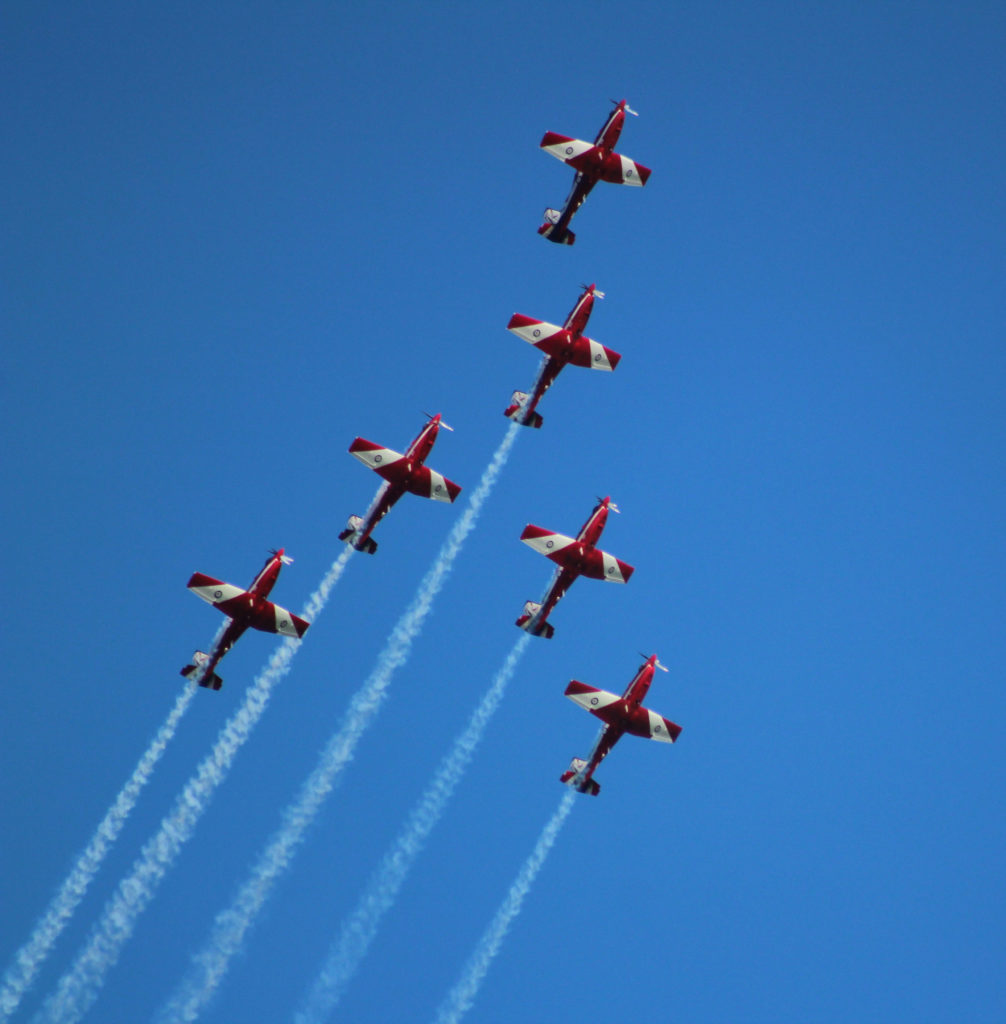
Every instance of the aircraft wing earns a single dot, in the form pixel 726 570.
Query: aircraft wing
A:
pixel 428 483
pixel 609 707
pixel 592 354
pixel 271 618
pixel 562 147
pixel 386 462
pixel 550 338
pixel 229 599
pixel 620 170
pixel 545 542
pixel 599 565
pixel 613 710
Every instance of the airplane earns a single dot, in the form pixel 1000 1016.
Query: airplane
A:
pixel 245 608
pixel 620 715
pixel 401 473
pixel 575 556
pixel 566 345
pixel 592 163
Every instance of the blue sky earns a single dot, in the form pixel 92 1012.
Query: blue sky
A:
pixel 240 236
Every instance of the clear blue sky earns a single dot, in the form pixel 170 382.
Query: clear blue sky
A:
pixel 238 235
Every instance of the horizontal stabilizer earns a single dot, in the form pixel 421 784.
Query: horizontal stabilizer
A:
pixel 529 623
pixel 572 777
pixel 199 659
pixel 515 411
pixel 553 232
pixel 351 535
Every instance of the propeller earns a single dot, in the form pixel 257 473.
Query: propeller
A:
pixel 612 507
pixel 598 294
pixel 285 559
pixel 625 106
pixel 431 416
pixel 656 664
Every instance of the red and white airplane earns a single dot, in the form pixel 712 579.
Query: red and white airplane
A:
pixel 620 715
pixel 593 162
pixel 566 345
pixel 401 473
pixel 245 608
pixel 575 556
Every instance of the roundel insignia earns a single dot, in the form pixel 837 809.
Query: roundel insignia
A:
pixel 218 594
pixel 284 624
pixel 438 488
pixel 593 700
pixel 536 332
pixel 597 358
pixel 611 570
pixel 628 173
pixel 550 543
pixel 569 150
pixel 378 458
pixel 657 728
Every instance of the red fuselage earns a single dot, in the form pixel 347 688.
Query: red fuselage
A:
pixel 245 610
pixel 586 541
pixel 576 324
pixel 626 716
pixel 596 164
pixel 415 455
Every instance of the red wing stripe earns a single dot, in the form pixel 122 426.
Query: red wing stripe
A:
pixel 213 591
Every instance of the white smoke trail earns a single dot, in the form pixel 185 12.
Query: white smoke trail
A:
pixel 30 957
pixel 460 999
pixel 359 929
pixel 79 987
pixel 210 964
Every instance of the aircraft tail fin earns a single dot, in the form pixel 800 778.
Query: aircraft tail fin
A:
pixel 351 535
pixel 528 623
pixel 199 660
pixel 554 233
pixel 515 411
pixel 571 777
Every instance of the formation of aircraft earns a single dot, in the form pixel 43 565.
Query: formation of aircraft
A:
pixel 400 473
pixel 563 346
pixel 620 715
pixel 593 162
pixel 244 608
pixel 575 556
